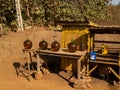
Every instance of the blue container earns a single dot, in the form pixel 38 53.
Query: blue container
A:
pixel 93 55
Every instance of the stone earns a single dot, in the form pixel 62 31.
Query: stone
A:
pixel 38 75
pixel 80 83
pixel 45 71
pixel 79 86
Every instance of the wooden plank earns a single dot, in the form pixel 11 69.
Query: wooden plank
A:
pixel 102 62
pixel 61 52
pixel 113 42
pixel 78 68
pixel 106 59
pixel 90 71
pixel 117 75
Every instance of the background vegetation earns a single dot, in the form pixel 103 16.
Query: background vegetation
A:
pixel 44 12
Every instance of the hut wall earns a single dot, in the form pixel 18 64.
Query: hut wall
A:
pixel 78 34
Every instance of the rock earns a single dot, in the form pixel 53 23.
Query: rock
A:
pixel 89 85
pixel 79 86
pixel 45 71
pixel 79 82
pixel 82 83
pixel 87 79
pixel 38 75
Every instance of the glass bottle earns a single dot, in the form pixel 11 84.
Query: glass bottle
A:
pixel 27 44
pixel 82 46
pixel 72 47
pixel 43 45
pixel 55 46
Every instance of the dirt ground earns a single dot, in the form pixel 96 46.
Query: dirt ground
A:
pixel 11 46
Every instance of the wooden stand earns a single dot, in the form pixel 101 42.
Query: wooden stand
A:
pixel 110 60
pixel 78 55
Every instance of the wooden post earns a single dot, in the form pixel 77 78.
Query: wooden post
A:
pixel 90 71
pixel 19 16
pixel 1 30
pixel 89 42
pixel 92 41
pixel 114 72
pixel 38 63
pixel 119 62
pixel 28 61
pixel 89 48
pixel 78 68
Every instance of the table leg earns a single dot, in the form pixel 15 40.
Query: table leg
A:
pixel 38 63
pixel 119 72
pixel 78 68
pixel 29 62
pixel 38 73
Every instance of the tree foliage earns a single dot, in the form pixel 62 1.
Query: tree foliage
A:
pixel 43 12
pixel 7 12
pixel 114 19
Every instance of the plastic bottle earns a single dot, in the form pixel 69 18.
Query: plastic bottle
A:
pixel 93 55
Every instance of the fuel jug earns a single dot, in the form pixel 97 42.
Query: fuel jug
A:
pixel 93 55
pixel 104 49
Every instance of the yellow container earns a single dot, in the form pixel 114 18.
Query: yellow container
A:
pixel 104 49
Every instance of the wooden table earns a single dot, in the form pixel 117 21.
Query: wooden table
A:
pixel 78 55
